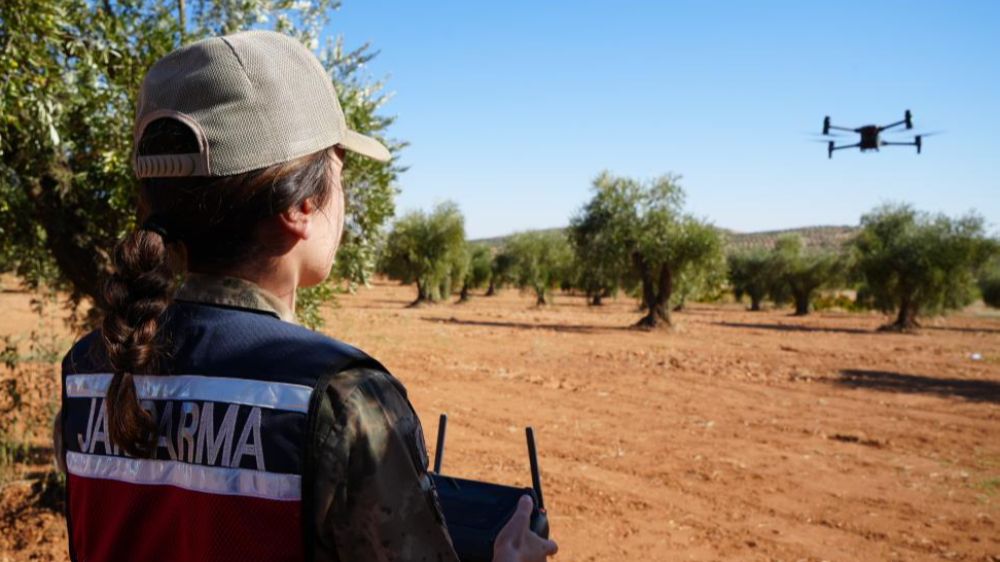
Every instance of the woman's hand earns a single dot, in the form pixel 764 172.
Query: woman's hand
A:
pixel 517 543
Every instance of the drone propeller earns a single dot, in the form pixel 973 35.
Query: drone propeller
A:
pixel 911 134
pixel 822 136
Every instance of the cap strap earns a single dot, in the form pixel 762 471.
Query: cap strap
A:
pixel 172 165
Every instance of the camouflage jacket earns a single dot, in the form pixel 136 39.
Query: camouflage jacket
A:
pixel 366 492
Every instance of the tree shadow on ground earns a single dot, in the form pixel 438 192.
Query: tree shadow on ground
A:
pixel 697 312
pixel 964 329
pixel 570 328
pixel 794 328
pixel 383 304
pixel 973 390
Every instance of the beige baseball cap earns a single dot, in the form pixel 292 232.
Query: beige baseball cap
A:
pixel 253 99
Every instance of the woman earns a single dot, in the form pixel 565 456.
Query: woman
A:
pixel 201 423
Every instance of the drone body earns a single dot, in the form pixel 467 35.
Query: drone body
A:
pixel 871 135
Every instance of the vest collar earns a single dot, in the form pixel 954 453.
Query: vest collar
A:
pixel 232 292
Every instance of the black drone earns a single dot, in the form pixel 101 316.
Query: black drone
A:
pixel 871 135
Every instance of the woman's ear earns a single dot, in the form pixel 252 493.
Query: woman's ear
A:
pixel 297 221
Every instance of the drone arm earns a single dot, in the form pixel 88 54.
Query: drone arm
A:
pixel 896 124
pixel 846 146
pixel 887 143
pixel 842 128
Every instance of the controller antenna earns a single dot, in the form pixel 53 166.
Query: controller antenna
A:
pixel 439 452
pixel 536 479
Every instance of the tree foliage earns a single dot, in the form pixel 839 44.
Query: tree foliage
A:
pixel 704 283
pixel 644 222
pixel 540 261
pixel 427 249
pixel 751 273
pixel 71 71
pixel 479 270
pixel 800 272
pixel 914 263
pixel 599 263
pixel 501 268
pixel 989 283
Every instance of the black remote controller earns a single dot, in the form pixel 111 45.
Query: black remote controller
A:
pixel 476 511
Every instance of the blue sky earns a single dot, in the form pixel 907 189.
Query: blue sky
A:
pixel 512 108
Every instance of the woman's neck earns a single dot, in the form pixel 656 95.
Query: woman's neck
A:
pixel 279 277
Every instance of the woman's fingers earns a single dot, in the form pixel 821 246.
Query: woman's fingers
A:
pixel 517 543
pixel 550 547
pixel 515 528
pixel 523 512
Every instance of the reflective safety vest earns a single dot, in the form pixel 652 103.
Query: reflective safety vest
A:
pixel 232 403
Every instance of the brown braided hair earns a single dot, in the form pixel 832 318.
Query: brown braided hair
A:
pixel 212 223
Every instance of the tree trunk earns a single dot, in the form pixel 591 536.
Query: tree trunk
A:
pixel 492 290
pixel 80 252
pixel 681 304
pixel 541 296
pixel 665 291
pixel 597 299
pixel 463 296
pixel 906 319
pixel 657 294
pixel 182 17
pixel 802 304
pixel 422 297
pixel 755 303
pixel 83 260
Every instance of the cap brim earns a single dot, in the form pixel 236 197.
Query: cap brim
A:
pixel 365 146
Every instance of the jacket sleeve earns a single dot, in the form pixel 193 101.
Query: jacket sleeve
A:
pixel 366 491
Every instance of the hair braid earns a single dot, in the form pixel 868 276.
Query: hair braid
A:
pixel 137 293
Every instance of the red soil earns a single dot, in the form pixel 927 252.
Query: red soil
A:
pixel 750 436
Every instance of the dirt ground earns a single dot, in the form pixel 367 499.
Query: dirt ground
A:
pixel 746 436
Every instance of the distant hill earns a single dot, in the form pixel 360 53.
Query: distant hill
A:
pixel 498 241
pixel 826 237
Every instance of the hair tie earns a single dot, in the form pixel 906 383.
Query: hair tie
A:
pixel 155 224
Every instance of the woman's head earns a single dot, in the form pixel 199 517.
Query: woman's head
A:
pixel 241 222
pixel 238 148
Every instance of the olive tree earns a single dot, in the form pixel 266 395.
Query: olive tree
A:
pixel 802 271
pixel 71 71
pixel 989 287
pixel 540 261
pixel 706 282
pixel 478 270
pixel 501 268
pixel 598 262
pixel 989 282
pixel 645 222
pixel 913 263
pixel 427 249
pixel 752 273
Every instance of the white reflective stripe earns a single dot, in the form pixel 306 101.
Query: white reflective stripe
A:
pixel 266 394
pixel 195 477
